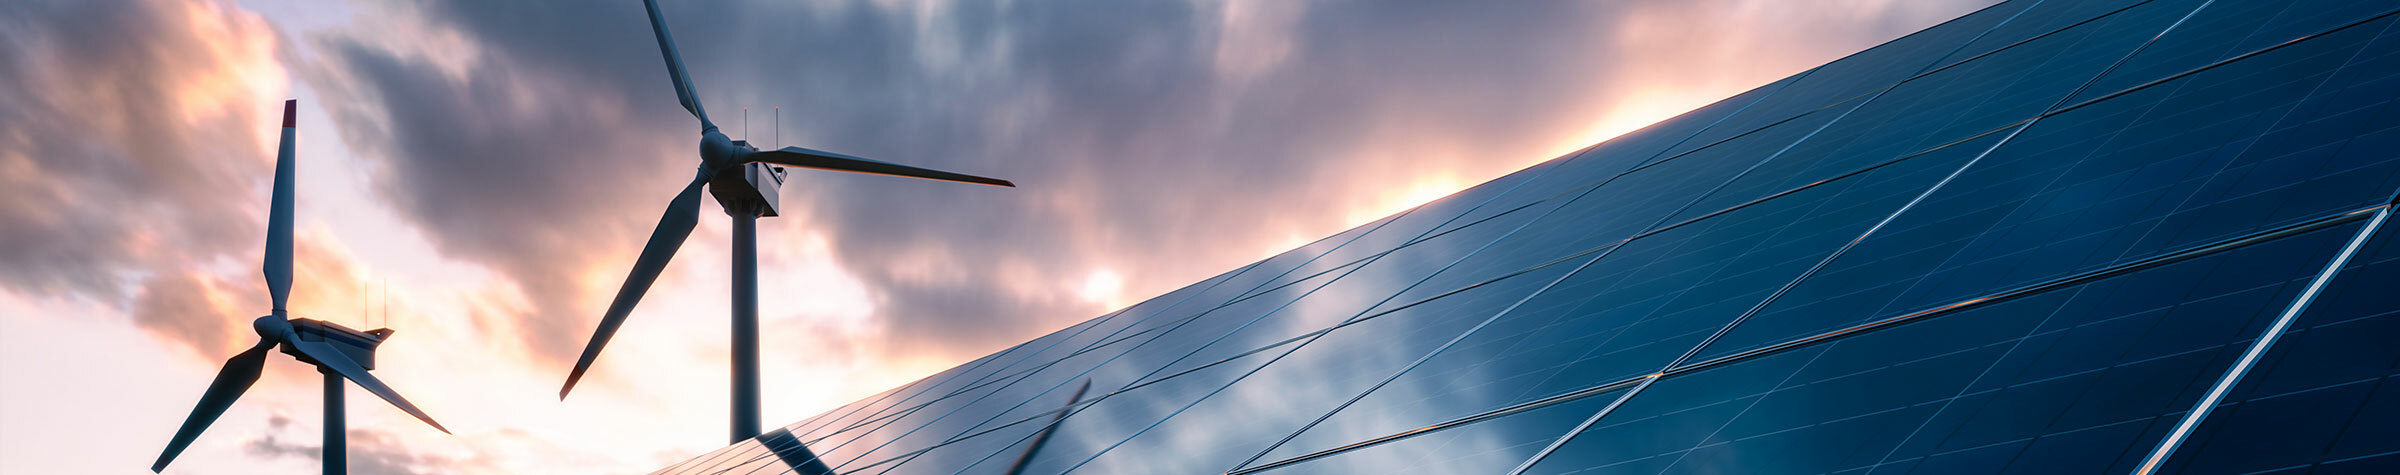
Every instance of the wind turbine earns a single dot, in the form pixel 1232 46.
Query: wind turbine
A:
pixel 744 181
pixel 339 352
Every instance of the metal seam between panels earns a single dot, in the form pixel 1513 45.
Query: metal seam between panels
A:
pixel 2271 127
pixel 1422 236
pixel 1419 361
pixel 2038 287
pixel 1436 230
pixel 2233 375
pixel 1729 209
pixel 1479 417
pixel 1212 342
pixel 2381 212
pixel 1478 250
pixel 971 386
pixel 901 457
pixel 1262 289
pixel 2137 50
pixel 1443 228
pixel 1279 357
pixel 971 433
pixel 1013 377
pixel 1653 228
pixel 2028 39
pixel 1577 191
pixel 702 460
pixel 2222 62
pixel 2258 348
pixel 712 458
pixel 813 427
pixel 1104 340
pixel 1429 235
pixel 2213 65
pixel 2228 244
pixel 1521 301
pixel 880 413
pixel 1562 439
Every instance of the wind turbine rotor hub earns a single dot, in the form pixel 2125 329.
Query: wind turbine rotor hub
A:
pixel 271 326
pixel 718 152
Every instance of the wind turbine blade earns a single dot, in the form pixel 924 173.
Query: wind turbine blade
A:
pixel 1026 459
pixel 682 214
pixel 823 160
pixel 278 265
pixel 330 357
pixel 683 81
pixel 240 371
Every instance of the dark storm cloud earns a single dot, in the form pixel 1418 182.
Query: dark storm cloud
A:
pixel 129 148
pixel 1163 140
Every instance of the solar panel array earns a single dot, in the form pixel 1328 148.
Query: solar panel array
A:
pixel 2049 236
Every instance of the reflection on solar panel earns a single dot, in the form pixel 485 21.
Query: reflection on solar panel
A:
pixel 2046 237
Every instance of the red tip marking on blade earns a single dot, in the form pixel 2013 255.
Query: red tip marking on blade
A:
pixel 288 106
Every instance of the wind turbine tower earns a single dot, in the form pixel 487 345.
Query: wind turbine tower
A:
pixel 744 181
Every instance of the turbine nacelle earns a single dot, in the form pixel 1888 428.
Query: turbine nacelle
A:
pixel 740 184
pixel 354 345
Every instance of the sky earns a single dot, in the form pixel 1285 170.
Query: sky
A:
pixel 480 175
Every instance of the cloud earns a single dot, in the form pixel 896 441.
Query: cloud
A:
pixel 211 312
pixel 368 451
pixel 125 153
pixel 508 168
pixel 188 307
pixel 130 162
pixel 271 446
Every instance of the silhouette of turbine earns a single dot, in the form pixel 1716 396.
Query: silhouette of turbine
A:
pixel 339 352
pixel 744 181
